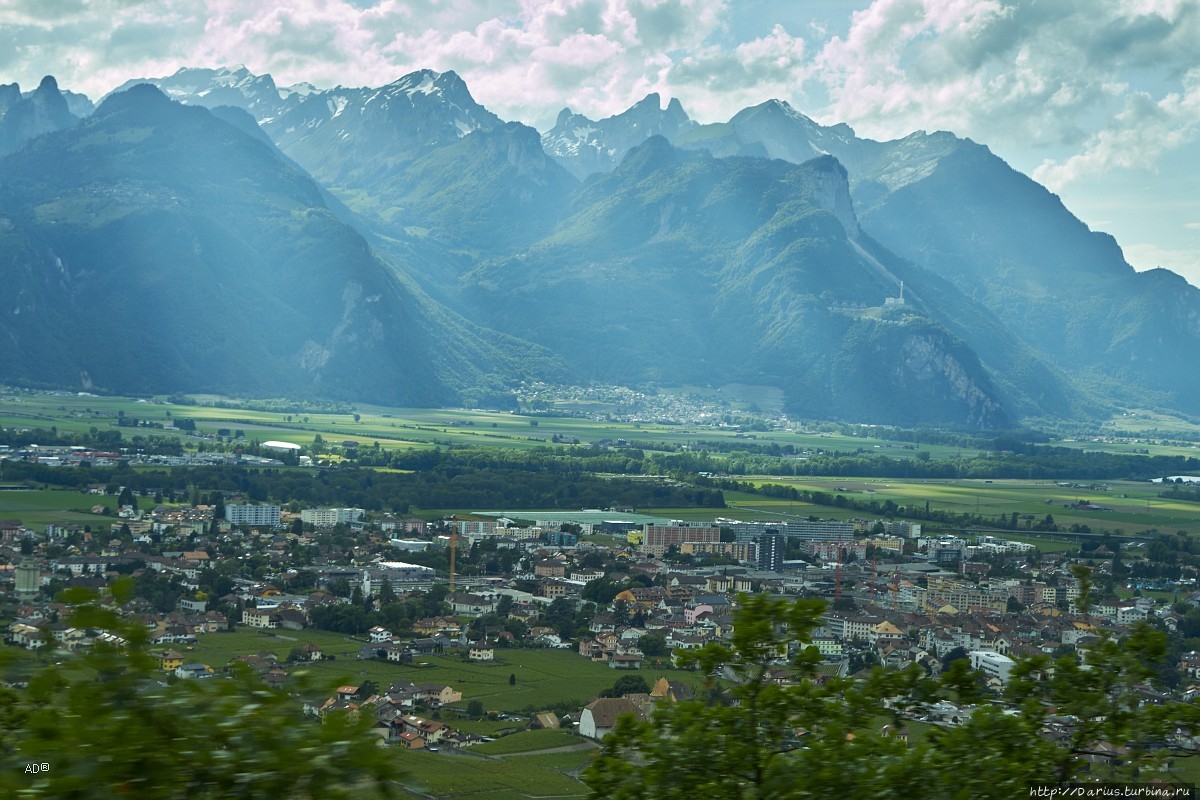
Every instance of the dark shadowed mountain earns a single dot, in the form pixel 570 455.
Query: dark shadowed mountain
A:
pixel 159 248
pixel 953 207
pixel 1067 291
pixel 22 117
pixel 680 267
pixel 487 193
pixel 10 94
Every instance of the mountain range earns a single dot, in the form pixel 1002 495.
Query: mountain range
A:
pixel 210 231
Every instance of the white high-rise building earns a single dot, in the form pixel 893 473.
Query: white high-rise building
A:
pixel 328 517
pixel 265 515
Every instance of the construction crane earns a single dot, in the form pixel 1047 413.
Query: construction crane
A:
pixel 837 575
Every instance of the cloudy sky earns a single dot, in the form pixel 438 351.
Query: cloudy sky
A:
pixel 1097 99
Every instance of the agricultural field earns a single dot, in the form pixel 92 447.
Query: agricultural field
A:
pixel 401 427
pixel 573 761
pixel 217 649
pixel 1140 420
pixel 37 507
pixel 404 428
pixel 1133 507
pixel 528 742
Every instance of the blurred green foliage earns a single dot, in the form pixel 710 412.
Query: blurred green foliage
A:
pixel 110 723
pixel 762 730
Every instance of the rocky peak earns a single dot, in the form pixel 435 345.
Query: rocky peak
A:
pixel 10 95
pixel 675 112
pixel 138 97
pixel 48 86
pixel 832 192
pixel 43 111
pixel 564 117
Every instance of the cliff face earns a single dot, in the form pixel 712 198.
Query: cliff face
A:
pixel 831 192
pixel 927 359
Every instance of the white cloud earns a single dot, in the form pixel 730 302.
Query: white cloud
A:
pixel 1009 72
pixel 1134 139
pixel 1016 73
pixel 715 83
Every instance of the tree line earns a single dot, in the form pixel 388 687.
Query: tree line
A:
pixel 447 485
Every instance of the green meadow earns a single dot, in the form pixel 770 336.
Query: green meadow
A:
pixel 544 678
pixel 38 507
pixel 447 775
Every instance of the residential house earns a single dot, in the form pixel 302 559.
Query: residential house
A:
pixel 430 731
pixel 470 605
pixel 170 660
pixel 193 671
pixel 293 619
pixel 627 660
pixel 397 653
pixel 644 598
pixel 600 716
pixel 27 636
pixel 444 625
pixel 1189 664
pixel 552 589
pixel 436 694
pixel 260 618
pixel 674 691
pixel 409 739
pixel 550 568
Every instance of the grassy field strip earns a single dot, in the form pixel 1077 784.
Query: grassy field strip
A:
pixel 528 741
pixel 462 776
pixel 544 677
pixel 570 762
pixel 38 507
